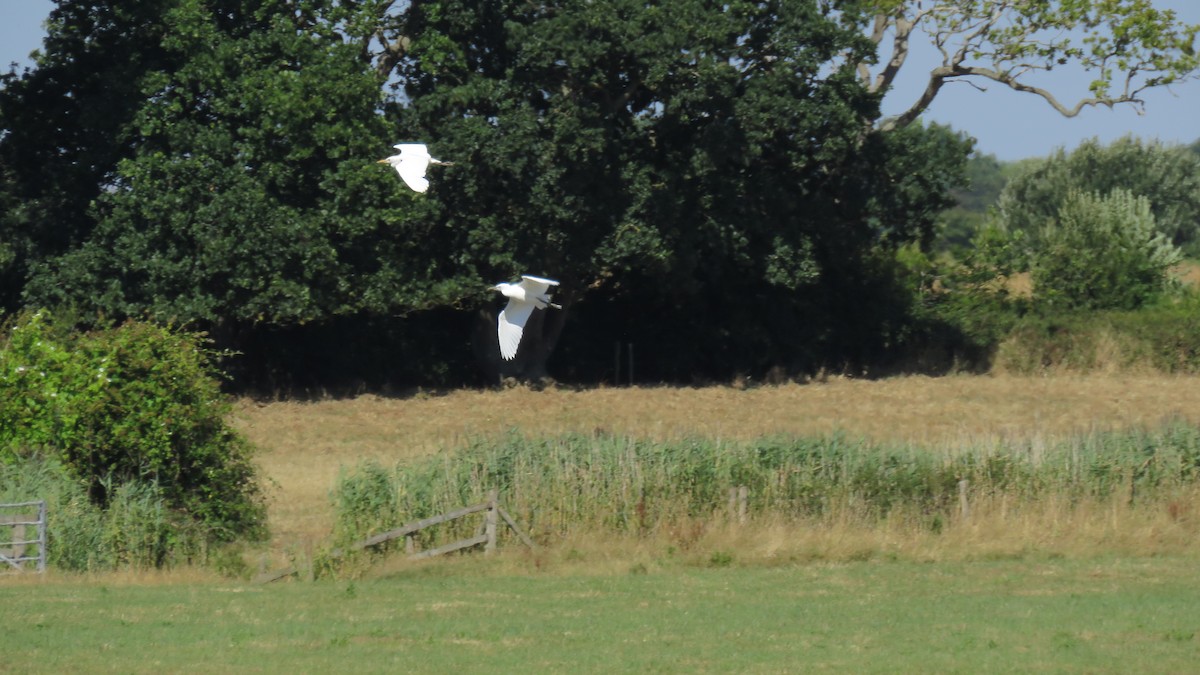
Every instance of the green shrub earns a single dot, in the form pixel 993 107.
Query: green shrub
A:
pixel 1163 337
pixel 135 403
pixel 1102 252
pixel 1169 333
pixel 966 303
pixel 1102 293
pixel 1166 175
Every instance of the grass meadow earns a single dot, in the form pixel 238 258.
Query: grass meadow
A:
pixel 1034 615
pixel 1091 581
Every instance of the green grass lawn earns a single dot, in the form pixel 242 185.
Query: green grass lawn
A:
pixel 1117 615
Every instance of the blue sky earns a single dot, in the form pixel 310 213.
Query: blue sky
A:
pixel 1007 124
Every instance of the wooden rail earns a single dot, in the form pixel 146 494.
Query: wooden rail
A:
pixel 493 513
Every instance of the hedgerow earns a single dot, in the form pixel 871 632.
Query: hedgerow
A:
pixel 133 404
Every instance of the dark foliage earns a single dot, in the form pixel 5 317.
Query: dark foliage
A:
pixel 704 180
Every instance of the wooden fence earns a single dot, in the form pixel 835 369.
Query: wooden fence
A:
pixel 18 550
pixel 492 516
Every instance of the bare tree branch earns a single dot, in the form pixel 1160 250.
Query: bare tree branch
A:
pixel 391 54
pixel 881 26
pixel 1127 44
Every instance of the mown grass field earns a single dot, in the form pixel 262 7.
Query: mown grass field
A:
pixel 1098 616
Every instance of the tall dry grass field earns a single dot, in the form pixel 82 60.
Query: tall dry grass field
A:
pixel 304 445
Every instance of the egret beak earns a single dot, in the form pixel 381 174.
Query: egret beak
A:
pixel 382 161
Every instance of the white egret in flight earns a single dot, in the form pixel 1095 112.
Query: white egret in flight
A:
pixel 523 297
pixel 411 164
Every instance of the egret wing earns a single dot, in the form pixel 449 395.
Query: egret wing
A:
pixel 412 150
pixel 413 173
pixel 411 163
pixel 536 286
pixel 510 325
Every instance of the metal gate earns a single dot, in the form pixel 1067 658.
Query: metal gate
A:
pixel 22 537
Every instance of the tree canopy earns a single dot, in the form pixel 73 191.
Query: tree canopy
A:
pixel 985 178
pixel 66 125
pixel 243 194
pixel 703 169
pixel 710 181
pixel 1167 176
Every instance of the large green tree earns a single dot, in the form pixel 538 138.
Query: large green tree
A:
pixel 245 196
pixel 65 125
pixel 235 191
pixel 712 178
pixel 700 169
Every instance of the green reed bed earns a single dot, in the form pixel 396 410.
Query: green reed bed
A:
pixel 560 484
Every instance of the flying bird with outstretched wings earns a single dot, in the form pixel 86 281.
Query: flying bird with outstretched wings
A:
pixel 411 163
pixel 528 294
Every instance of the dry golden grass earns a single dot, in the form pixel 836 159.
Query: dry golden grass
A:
pixel 1187 272
pixel 1020 285
pixel 995 530
pixel 303 445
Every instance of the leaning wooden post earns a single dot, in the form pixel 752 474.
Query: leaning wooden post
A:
pixel 964 506
pixel 490 527
pixel 743 504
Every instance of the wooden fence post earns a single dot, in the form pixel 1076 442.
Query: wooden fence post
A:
pixel 18 535
pixel 739 503
pixel 492 519
pixel 743 504
pixel 491 509
pixel 41 563
pixel 964 506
